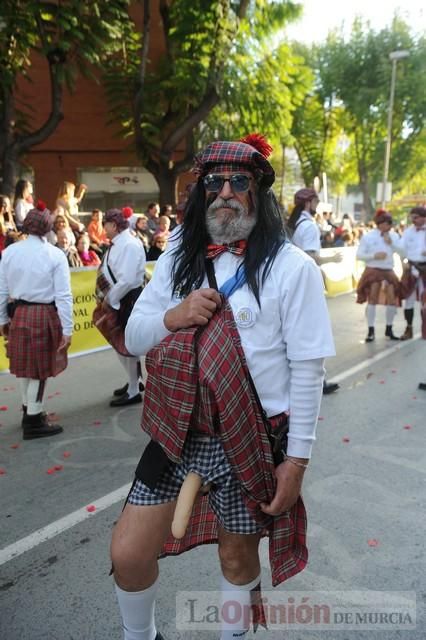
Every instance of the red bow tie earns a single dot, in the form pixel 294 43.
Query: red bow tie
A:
pixel 238 248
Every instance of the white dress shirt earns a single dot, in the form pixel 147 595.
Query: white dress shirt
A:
pixel 413 244
pixel 22 207
pixel 372 243
pixel 126 259
pixel 307 235
pixel 35 271
pixel 292 324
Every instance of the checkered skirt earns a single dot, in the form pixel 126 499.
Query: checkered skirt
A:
pixel 34 337
pixel 205 456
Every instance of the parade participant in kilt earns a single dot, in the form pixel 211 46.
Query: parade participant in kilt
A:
pixel 220 362
pixel 413 281
pixel 35 316
pixel 306 235
pixel 118 284
pixel 379 283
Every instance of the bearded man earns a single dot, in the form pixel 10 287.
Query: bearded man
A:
pixel 225 368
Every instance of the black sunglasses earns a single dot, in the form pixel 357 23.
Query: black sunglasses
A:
pixel 239 182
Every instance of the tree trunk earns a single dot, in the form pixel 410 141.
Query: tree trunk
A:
pixel 167 182
pixel 9 175
pixel 366 199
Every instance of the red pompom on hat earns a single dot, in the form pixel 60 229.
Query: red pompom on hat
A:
pixel 41 205
pixel 127 212
pixel 259 142
pixel 248 154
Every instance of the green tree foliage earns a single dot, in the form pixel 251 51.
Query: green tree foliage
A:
pixel 355 75
pixel 73 37
pixel 217 77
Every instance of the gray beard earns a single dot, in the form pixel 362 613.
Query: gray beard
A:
pixel 236 226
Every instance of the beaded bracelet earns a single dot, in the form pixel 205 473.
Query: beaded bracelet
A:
pixel 297 464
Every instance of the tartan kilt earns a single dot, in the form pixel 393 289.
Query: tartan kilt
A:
pixel 108 324
pixel 35 333
pixel 379 286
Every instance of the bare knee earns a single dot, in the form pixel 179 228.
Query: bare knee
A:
pixel 136 544
pixel 239 558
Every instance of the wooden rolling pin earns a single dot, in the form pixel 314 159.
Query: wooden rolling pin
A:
pixel 185 503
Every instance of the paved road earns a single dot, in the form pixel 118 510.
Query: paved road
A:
pixel 365 487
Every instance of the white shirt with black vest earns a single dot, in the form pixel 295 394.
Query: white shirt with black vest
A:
pixel 126 260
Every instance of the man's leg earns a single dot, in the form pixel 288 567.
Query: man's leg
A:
pixel 35 423
pixel 137 539
pixel 409 315
pixel 390 316
pixel 370 314
pixel 132 394
pixel 239 559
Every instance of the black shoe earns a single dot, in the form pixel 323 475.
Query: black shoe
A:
pixel 371 335
pixel 38 426
pixel 422 386
pixel 329 387
pixel 389 333
pixel 122 390
pixel 124 401
pixel 159 636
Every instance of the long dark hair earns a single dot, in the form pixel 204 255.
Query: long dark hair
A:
pixel 294 216
pixel 263 243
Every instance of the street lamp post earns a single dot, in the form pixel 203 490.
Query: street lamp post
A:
pixel 394 56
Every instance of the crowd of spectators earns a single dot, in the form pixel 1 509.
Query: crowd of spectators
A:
pixel 345 232
pixel 84 246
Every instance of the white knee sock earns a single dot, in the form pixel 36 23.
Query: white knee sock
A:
pixel 137 611
pixel 236 619
pixel 23 383
pixel 34 402
pixel 371 314
pixel 390 313
pixel 130 366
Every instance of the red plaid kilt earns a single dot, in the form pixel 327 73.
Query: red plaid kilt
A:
pixel 35 333
pixel 108 324
pixel 370 287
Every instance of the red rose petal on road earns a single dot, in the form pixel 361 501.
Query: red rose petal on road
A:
pixel 382 381
pixel 414 398
pixel 57 393
pixel 51 471
pixel 320 418
pixel 407 426
pixel 91 508
pixel 2 472
pixel 346 439
pixel 66 454
pixel 394 370
pixel 49 397
pixel 14 446
pixel 373 543
pixel 58 467
pixel 4 407
pixel 96 422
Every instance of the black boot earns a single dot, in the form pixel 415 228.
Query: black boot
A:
pixel 371 335
pixel 389 333
pixel 38 426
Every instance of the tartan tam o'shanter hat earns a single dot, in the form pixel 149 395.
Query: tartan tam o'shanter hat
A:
pixel 382 216
pixel 38 221
pixel 249 153
pixel 304 195
pixel 119 216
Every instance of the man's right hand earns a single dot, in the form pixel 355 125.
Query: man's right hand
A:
pixel 196 309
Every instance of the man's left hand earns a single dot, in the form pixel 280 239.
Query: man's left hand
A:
pixel 65 343
pixel 289 484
